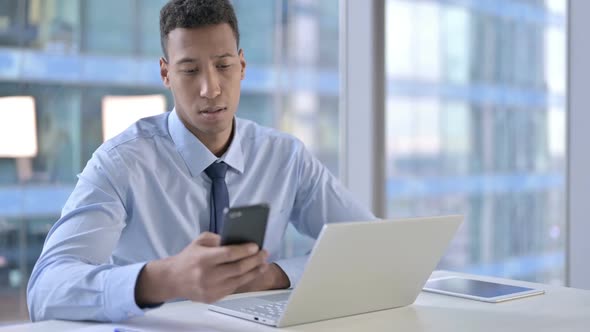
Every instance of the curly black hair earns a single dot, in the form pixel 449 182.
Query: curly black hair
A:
pixel 194 14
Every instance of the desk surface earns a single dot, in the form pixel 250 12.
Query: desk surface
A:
pixel 560 309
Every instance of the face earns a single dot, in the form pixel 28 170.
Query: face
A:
pixel 204 70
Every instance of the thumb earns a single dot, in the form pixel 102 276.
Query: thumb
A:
pixel 208 239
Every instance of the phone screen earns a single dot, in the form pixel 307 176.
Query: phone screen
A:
pixel 245 224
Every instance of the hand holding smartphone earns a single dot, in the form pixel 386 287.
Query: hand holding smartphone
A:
pixel 245 224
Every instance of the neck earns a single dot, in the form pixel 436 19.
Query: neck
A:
pixel 217 143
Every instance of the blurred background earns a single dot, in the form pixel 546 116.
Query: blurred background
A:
pixel 475 114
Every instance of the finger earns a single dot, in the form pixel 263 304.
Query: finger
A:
pixel 223 287
pixel 245 282
pixel 208 239
pixel 246 278
pixel 230 253
pixel 257 284
pixel 243 266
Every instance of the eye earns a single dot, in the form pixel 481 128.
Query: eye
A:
pixel 224 66
pixel 190 71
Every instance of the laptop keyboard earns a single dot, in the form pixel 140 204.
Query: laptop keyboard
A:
pixel 270 310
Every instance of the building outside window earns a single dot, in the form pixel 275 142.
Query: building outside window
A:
pixel 476 125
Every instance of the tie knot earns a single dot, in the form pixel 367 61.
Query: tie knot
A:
pixel 216 170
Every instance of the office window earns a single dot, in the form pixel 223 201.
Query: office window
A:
pixel 69 55
pixel 149 26
pixel 51 25
pixel 108 27
pixel 476 126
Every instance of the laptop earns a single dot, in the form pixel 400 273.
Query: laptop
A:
pixel 354 268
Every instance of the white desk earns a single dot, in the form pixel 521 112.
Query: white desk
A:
pixel 560 309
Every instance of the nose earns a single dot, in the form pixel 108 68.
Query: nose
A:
pixel 210 85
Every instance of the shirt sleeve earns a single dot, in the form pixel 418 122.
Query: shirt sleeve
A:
pixel 320 199
pixel 73 278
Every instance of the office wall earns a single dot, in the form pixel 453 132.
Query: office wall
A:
pixel 578 272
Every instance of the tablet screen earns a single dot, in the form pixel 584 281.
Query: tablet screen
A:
pixel 474 287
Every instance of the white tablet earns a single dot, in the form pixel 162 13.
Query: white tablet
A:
pixel 478 290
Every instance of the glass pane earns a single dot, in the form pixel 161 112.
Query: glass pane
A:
pixel 149 27
pixel 51 25
pixel 106 33
pixel 259 22
pixel 69 55
pixel 476 126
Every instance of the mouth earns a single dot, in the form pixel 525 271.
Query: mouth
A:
pixel 212 110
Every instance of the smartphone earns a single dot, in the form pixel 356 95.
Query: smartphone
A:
pixel 478 289
pixel 245 224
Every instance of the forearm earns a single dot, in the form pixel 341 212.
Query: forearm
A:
pixel 293 268
pixel 154 284
pixel 72 290
pixel 277 278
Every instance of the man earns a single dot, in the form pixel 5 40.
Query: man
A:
pixel 139 228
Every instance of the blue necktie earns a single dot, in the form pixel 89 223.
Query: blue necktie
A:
pixel 219 195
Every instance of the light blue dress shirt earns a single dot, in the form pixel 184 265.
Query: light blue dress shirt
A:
pixel 144 196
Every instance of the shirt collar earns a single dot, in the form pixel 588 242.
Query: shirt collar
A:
pixel 196 155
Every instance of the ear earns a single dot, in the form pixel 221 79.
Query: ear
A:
pixel 164 72
pixel 242 63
